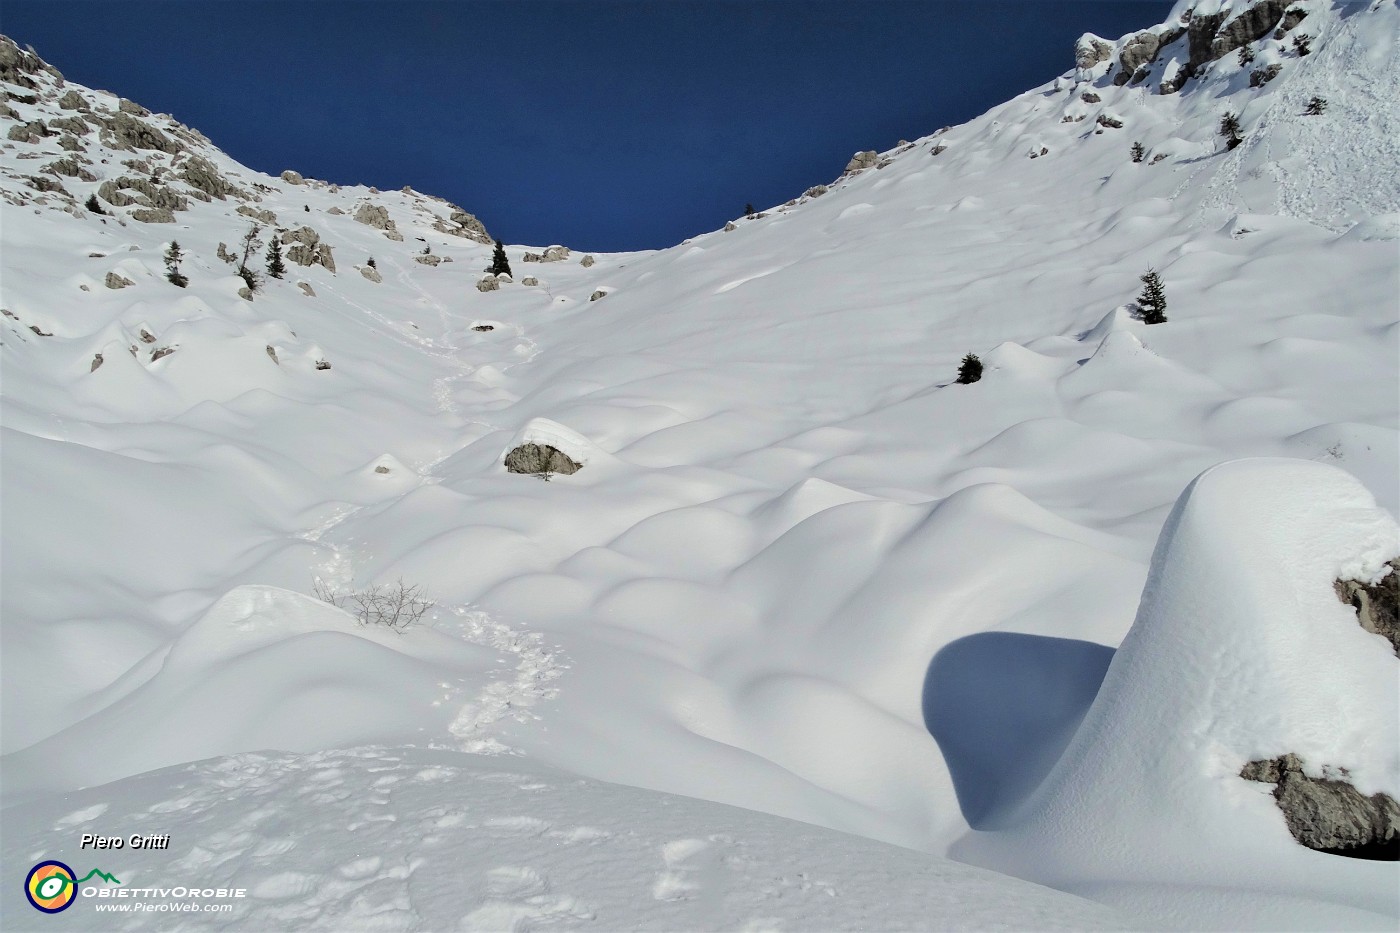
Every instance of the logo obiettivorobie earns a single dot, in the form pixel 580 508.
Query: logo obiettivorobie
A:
pixel 52 886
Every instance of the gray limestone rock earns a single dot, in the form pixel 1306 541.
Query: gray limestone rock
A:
pixel 488 284
pixel 1089 50
pixel 132 107
pixel 272 354
pixel 1328 813
pixel 202 175
pixel 28 132
pixel 587 261
pixel 372 274
pixel 1251 25
pixel 1089 97
pixel 1262 76
pixel 304 235
pixel 1137 51
pixel 96 362
pixel 373 215
pixel 598 294
pixel 125 131
pixel 816 191
pixel 117 280
pixel 730 226
pixel 306 289
pixel 42 184
pixel 293 178
pixel 427 259
pixel 153 215
pixel 529 280
pixel 71 143
pixel 223 253
pixel 468 226
pixel 862 160
pixel 149 193
pixel 541 459
pixel 1291 17
pixel 75 125
pixel 72 101
pixel 261 216
pixel 1377 605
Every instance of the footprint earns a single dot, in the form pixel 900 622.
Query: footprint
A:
pixel 512 882
pixel 517 825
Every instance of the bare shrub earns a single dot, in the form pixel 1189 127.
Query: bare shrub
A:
pixel 397 606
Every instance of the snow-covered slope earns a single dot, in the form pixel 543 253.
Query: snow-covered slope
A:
pixel 801 571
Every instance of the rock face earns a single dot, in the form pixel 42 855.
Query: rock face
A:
pixel 376 216
pixel 316 254
pixel 1090 50
pixel 1253 24
pixel 1329 814
pixel 540 459
pixel 125 131
pixel 1137 51
pixel 862 160
pixel 28 132
pixel 70 167
pixel 1377 605
pixel 201 174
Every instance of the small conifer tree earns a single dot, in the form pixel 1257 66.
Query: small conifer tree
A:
pixel 970 370
pixel 499 264
pixel 173 257
pixel 748 210
pixel 93 205
pixel 251 242
pixel 1138 152
pixel 1316 107
pixel 275 266
pixel 371 263
pixel 1152 303
pixel 1230 129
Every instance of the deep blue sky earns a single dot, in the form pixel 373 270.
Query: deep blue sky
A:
pixel 600 125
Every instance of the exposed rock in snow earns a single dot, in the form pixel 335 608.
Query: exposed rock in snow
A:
pixel 587 260
pixel 1089 50
pixel 117 280
pixel 72 100
pixel 292 178
pixel 377 216
pixel 304 235
pixel 201 174
pixel 488 283
pixel 537 458
pixel 153 215
pixel 261 216
pixel 1377 604
pixel 862 160
pixel 372 274
pixel 1327 813
pixel 1137 51
pixel 124 131
pixel 551 254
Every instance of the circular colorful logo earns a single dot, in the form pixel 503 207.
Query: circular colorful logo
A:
pixel 51 887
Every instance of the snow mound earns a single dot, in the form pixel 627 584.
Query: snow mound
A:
pixel 1241 651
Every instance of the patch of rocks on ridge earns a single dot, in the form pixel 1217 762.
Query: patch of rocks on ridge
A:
pixel 1209 37
pixel 551 254
pixel 306 249
pixel 541 460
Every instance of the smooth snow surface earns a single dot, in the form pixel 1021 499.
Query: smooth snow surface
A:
pixel 802 571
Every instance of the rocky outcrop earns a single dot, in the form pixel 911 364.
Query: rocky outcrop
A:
pixel 861 161
pixel 488 284
pixel 17 65
pixel 427 259
pixel 1291 17
pixel 132 107
pixel 376 216
pixel 1251 25
pixel 312 254
pixel 153 215
pixel 28 132
pixel 1328 813
pixel 1262 76
pixel 293 178
pixel 124 131
pixel 551 254
pixel 469 226
pixel 815 191
pixel 540 459
pixel 75 125
pixel 72 100
pixel 261 216
pixel 1377 605
pixel 304 235
pixel 45 185
pixel 148 194
pixel 371 273
pixel 1089 50
pixel 116 280
pixel 1137 51
pixel 202 175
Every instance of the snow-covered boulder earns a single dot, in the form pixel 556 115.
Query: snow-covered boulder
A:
pixel 1241 652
